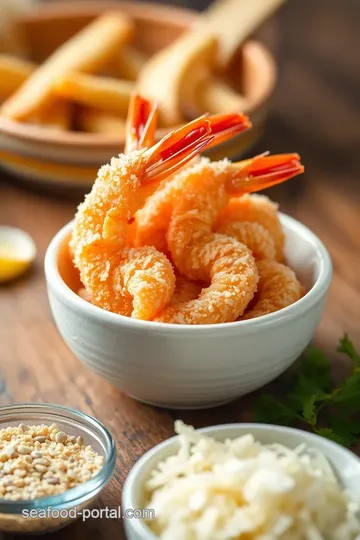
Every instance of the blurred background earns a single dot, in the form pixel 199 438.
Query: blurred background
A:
pixel 315 108
pixel 316 105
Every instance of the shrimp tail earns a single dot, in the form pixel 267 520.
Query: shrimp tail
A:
pixel 262 172
pixel 227 126
pixel 177 148
pixel 141 124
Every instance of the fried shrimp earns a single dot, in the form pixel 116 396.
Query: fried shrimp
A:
pixel 127 216
pixel 253 235
pixel 234 280
pixel 200 254
pixel 137 282
pixel 259 209
pixel 152 220
pixel 278 288
pixel 185 290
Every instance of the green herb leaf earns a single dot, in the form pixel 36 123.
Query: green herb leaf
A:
pixel 309 409
pixel 316 368
pixel 305 387
pixel 347 347
pixel 269 410
pixel 313 378
pixel 348 390
pixel 345 429
pixel 328 433
pixel 316 401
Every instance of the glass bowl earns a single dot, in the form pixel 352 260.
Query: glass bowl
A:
pixel 54 512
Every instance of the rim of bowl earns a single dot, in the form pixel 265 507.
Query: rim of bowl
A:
pixel 33 133
pixel 319 288
pixel 128 500
pixel 80 493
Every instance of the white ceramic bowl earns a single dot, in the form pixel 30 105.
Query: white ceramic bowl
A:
pixel 201 366
pixel 346 465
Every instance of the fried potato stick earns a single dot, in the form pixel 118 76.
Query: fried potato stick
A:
pixel 13 73
pixel 100 92
pixel 129 63
pixel 86 52
pixel 215 96
pixel 98 121
pixel 170 77
pixel 57 116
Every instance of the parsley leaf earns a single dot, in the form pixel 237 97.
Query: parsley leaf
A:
pixel 349 390
pixel 316 367
pixel 347 430
pixel 328 409
pixel 309 409
pixel 304 388
pixel 328 433
pixel 269 410
pixel 346 347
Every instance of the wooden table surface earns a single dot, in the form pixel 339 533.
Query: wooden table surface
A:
pixel 316 111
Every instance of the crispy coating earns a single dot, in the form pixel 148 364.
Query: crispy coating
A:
pixel 185 290
pixel 128 281
pixel 253 235
pixel 200 254
pixel 259 209
pixel 278 288
pixel 152 220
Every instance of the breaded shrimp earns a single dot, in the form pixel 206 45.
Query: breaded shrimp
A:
pixel 186 290
pixel 234 281
pixel 137 282
pixel 278 288
pixel 259 209
pixel 200 254
pixel 253 235
pixel 152 220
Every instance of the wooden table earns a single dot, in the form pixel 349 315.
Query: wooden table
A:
pixel 315 112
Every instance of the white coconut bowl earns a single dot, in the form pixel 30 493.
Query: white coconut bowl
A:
pixel 345 464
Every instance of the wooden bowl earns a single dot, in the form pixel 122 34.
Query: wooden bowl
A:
pixel 72 159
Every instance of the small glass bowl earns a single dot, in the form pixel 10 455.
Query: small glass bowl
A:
pixel 57 511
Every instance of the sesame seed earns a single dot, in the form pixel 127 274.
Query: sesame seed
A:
pixel 32 467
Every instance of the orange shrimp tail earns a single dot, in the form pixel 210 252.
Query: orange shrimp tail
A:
pixel 177 148
pixel 226 126
pixel 141 124
pixel 180 146
pixel 262 172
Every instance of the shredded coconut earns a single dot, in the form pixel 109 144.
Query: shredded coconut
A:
pixel 242 490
